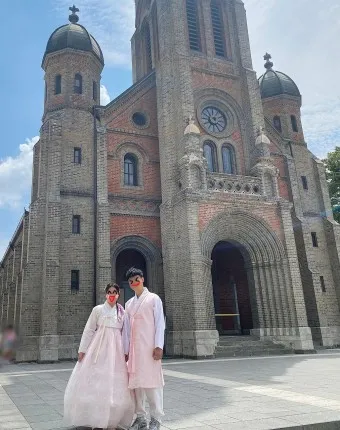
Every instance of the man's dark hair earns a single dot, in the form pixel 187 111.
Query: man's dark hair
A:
pixel 133 271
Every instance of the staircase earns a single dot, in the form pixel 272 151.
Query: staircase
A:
pixel 248 346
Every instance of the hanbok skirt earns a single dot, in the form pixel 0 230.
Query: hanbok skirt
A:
pixel 97 393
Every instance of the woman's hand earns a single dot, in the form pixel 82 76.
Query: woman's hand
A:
pixel 81 355
pixel 157 354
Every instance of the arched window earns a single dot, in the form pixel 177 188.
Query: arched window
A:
pixel 217 26
pixel 130 170
pixel 78 83
pixel 209 150
pixel 294 123
pixel 228 159
pixel 193 25
pixel 57 84
pixel 148 51
pixel 277 123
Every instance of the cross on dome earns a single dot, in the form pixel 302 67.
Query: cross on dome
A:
pixel 269 64
pixel 74 18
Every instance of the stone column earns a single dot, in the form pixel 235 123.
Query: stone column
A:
pixel 303 339
pixel 103 217
pixel 49 339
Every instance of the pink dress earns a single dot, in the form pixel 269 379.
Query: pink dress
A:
pixel 97 393
pixel 144 371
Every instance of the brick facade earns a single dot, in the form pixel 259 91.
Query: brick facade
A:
pixel 170 212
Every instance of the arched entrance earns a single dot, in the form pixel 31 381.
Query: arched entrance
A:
pixel 126 259
pixel 139 252
pixel 230 288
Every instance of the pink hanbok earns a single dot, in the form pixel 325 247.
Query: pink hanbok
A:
pixel 143 332
pixel 97 393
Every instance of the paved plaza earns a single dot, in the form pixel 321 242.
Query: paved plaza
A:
pixel 291 391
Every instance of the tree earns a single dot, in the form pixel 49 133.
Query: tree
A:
pixel 332 163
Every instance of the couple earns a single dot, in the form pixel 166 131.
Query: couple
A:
pixel 105 392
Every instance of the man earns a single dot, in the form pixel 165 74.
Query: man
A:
pixel 143 339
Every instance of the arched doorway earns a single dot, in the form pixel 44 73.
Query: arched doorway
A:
pixel 231 291
pixel 126 259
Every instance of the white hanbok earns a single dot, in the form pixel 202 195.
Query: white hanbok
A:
pixel 97 393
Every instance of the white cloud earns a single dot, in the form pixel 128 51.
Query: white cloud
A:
pixel 15 176
pixel 322 126
pixel 111 22
pixel 104 95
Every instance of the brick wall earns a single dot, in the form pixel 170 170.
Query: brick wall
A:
pixel 284 107
pixel 131 225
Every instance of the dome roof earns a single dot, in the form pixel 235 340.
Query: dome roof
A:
pixel 273 83
pixel 74 36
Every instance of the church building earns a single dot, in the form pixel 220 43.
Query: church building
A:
pixel 199 174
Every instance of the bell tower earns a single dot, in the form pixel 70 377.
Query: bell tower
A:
pixel 61 270
pixel 200 53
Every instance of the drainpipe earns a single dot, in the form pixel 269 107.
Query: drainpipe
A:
pixel 95 203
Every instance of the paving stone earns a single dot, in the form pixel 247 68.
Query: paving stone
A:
pixel 32 419
pixel 193 401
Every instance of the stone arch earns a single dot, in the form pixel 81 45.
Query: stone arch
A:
pixel 220 96
pixel 266 264
pixel 151 254
pixel 134 147
pixel 142 10
pixel 262 244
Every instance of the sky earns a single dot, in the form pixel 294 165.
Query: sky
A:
pixel 301 35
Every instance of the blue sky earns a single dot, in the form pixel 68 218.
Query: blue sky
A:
pixel 301 36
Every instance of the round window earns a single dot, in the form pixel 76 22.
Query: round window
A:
pixel 213 119
pixel 139 119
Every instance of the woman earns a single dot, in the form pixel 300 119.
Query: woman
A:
pixel 97 393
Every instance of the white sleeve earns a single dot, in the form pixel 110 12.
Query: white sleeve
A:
pixel 126 334
pixel 89 331
pixel 159 323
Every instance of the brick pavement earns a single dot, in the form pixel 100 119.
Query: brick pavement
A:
pixel 250 393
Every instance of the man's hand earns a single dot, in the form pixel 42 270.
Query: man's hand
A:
pixel 157 354
pixel 126 358
pixel 81 355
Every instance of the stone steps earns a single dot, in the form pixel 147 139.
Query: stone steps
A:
pixel 248 346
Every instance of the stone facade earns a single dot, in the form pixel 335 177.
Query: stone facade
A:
pixel 145 194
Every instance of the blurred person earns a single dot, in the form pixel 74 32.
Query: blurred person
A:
pixel 8 343
pixel 97 393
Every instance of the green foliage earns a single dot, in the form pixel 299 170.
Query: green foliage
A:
pixel 332 163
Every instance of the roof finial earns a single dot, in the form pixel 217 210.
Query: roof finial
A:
pixel 269 64
pixel 74 18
